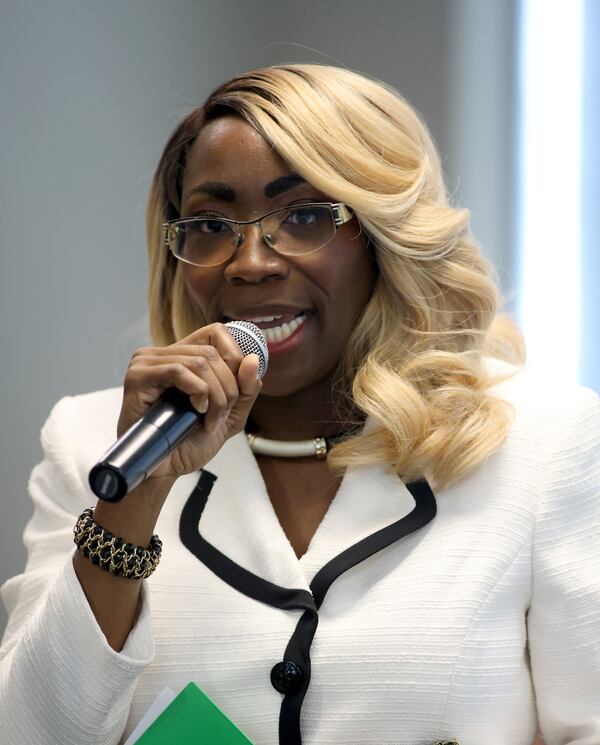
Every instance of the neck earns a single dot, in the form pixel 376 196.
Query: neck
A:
pixel 301 416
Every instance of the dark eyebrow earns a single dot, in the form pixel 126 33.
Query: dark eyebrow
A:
pixel 225 193
pixel 214 189
pixel 282 184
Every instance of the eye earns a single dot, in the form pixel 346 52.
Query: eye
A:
pixel 305 215
pixel 208 225
pixel 212 226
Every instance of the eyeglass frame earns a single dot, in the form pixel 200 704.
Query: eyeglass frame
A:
pixel 340 212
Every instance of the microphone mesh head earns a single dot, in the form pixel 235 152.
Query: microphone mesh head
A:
pixel 251 340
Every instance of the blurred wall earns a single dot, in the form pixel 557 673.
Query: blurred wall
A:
pixel 90 91
pixel 590 218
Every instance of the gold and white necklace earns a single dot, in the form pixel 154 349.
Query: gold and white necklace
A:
pixel 318 446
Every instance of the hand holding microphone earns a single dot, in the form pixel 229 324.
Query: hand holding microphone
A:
pixel 180 404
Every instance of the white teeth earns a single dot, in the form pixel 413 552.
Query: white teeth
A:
pixel 280 333
pixel 265 319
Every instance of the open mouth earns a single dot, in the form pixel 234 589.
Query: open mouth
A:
pixel 282 331
pixel 278 328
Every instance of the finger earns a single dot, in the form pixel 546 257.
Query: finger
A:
pixel 248 375
pixel 217 335
pixel 199 361
pixel 220 393
pixel 144 385
pixel 250 386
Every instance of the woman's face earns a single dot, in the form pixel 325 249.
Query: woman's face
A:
pixel 233 172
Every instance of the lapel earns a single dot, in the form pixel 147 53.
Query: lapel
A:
pixel 239 521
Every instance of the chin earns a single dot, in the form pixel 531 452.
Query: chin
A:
pixel 281 384
pixel 280 387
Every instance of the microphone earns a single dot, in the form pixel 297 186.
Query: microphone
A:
pixel 169 420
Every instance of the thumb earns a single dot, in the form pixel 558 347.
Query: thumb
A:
pixel 249 383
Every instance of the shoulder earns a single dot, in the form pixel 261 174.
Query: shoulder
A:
pixel 546 408
pixel 72 410
pixel 78 430
pixel 537 389
pixel 83 423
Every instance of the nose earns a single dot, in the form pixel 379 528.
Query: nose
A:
pixel 254 260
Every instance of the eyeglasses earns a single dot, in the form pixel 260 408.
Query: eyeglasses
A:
pixel 207 240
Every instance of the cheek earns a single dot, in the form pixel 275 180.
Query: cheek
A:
pixel 350 280
pixel 198 285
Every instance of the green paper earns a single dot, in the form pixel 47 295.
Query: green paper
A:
pixel 193 719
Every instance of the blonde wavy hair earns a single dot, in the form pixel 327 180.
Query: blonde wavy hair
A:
pixel 415 361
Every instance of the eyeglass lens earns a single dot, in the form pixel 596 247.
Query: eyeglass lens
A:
pixel 293 231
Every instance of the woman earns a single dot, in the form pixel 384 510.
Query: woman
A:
pixel 433 577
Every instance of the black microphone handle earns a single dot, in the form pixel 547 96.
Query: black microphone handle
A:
pixel 140 450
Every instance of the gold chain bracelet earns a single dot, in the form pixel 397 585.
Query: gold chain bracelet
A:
pixel 113 554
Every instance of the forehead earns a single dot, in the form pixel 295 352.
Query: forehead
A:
pixel 230 148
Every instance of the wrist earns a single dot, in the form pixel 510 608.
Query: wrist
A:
pixel 113 554
pixel 135 516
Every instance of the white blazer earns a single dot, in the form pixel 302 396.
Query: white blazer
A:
pixel 412 618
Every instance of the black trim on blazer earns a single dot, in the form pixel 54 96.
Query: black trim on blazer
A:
pixel 298 648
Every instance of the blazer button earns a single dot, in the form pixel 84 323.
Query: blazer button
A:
pixel 287 677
